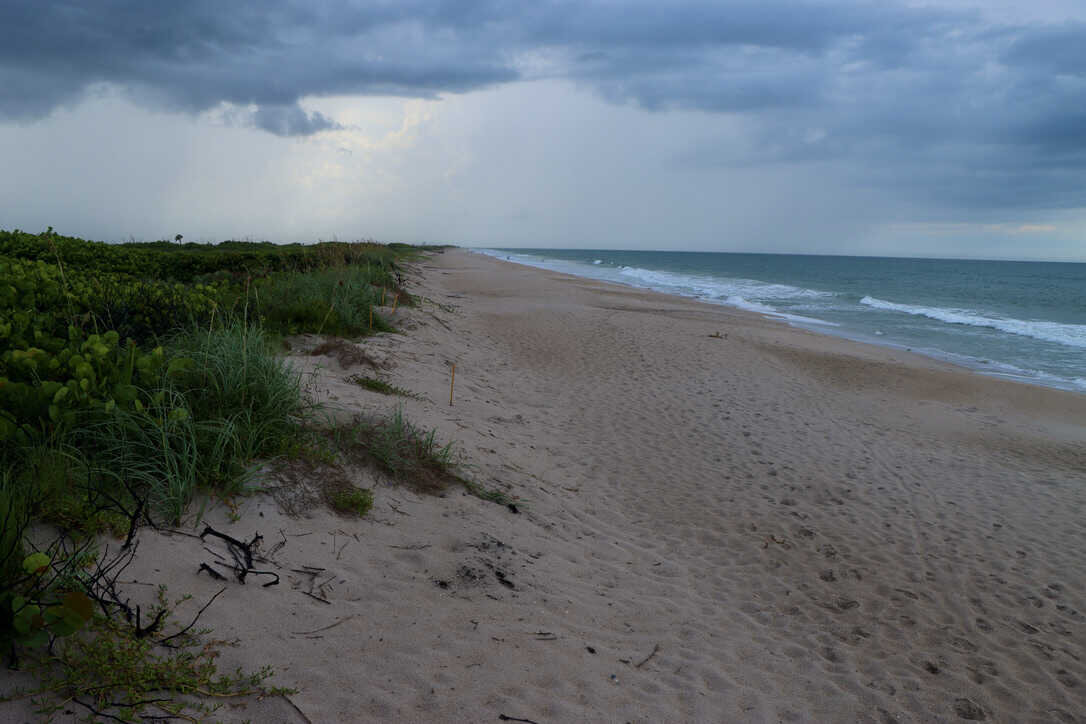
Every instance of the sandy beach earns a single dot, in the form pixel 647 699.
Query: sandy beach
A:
pixel 719 518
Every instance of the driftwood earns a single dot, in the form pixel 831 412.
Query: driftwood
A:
pixel 242 553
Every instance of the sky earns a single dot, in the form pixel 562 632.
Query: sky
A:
pixel 949 128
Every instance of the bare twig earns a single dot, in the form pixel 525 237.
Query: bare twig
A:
pixel 196 617
pixel 646 659
pixel 324 628
pixel 297 709
pixel 316 598
pixel 96 712
pixel 214 553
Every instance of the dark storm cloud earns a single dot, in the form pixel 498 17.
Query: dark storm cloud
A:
pixel 911 95
pixel 195 55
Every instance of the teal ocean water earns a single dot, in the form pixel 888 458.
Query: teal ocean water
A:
pixel 1021 320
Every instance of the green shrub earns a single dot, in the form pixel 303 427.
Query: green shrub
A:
pixel 352 500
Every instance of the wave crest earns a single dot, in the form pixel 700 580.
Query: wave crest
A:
pixel 1071 335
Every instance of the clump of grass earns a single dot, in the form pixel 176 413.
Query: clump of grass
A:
pixel 411 456
pixel 57 484
pixel 310 445
pixel 160 451
pixel 352 500
pixel 374 384
pixel 347 354
pixel 236 378
pixel 491 495
pixel 407 453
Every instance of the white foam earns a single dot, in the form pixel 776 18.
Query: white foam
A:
pixel 1013 372
pixel 1072 335
pixel 720 289
pixel 730 292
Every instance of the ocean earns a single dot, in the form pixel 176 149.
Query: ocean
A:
pixel 1014 319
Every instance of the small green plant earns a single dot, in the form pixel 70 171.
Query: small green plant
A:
pixel 352 500
pixel 43 608
pixel 489 494
pixel 310 445
pixel 124 673
pixel 380 386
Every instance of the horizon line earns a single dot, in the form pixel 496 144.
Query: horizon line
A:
pixel 1064 260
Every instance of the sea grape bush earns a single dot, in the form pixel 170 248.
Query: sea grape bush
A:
pixel 185 263
pixel 70 340
pixel 81 322
pixel 41 607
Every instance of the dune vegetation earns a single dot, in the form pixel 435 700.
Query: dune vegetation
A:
pixel 135 376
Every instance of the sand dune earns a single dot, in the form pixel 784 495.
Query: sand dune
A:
pixel 765 526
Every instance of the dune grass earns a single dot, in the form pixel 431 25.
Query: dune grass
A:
pixel 410 455
pixel 405 452
pixel 236 380
pixel 373 384
pixel 336 301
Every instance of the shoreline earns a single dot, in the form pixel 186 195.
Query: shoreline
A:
pixel 832 329
pixel 769 525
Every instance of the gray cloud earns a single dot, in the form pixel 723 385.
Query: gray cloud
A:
pixel 291 121
pixel 1059 49
pixel 918 98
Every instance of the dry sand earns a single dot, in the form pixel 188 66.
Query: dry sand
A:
pixel 768 526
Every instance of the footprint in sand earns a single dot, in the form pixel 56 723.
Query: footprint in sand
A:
pixel 1066 678
pixel 983 671
pixel 968 709
pixel 962 644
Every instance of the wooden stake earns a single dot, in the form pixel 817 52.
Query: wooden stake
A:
pixel 371 318
pixel 452 381
pixel 395 301
pixel 383 296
